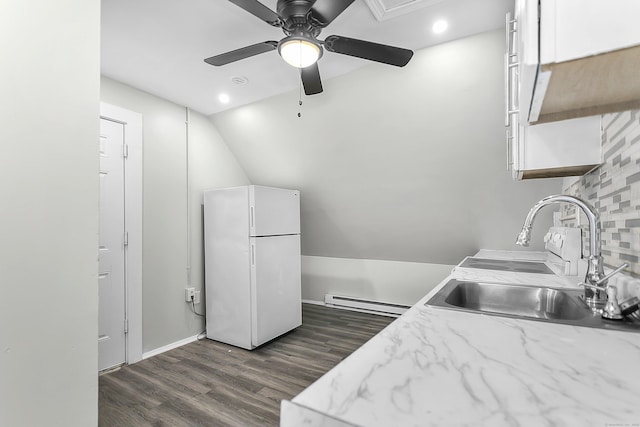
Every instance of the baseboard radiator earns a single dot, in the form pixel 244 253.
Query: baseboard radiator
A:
pixel 368 306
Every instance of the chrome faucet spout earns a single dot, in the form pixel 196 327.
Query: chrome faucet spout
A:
pixel 524 237
pixel 595 272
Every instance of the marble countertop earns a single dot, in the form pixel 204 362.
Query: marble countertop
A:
pixel 439 367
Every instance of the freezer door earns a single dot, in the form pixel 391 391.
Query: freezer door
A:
pixel 276 305
pixel 273 211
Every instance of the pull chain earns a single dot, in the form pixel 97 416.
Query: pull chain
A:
pixel 300 95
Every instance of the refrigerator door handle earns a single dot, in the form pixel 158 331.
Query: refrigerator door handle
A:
pixel 251 218
pixel 253 254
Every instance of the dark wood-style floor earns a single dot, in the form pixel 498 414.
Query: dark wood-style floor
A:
pixel 207 383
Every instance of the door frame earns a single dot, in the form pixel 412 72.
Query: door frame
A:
pixel 132 122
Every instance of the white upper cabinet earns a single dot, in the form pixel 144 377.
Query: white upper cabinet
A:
pixel 572 29
pixel 566 63
pixel 587 61
pixel 556 149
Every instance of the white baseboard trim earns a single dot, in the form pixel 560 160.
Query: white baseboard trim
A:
pixel 168 347
pixel 368 306
pixel 359 310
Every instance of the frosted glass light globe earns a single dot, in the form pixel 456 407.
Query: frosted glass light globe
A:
pixel 299 53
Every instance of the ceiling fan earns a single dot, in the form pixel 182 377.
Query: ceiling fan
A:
pixel 302 21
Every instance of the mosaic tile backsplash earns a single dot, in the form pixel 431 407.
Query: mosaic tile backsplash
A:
pixel 614 189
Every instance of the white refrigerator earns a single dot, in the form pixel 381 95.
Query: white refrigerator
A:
pixel 252 264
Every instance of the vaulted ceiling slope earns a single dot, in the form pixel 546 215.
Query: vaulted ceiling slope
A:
pixel 159 46
pixel 396 164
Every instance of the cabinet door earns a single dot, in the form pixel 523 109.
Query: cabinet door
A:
pixel 565 148
pixel 572 29
pixel 589 55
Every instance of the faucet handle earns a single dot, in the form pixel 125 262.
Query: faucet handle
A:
pixel 601 284
pixel 608 276
pixel 611 308
pixel 594 287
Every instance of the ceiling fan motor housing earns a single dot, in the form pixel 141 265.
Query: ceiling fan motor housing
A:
pixel 296 15
pixel 290 8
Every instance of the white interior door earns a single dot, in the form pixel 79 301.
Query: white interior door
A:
pixel 111 282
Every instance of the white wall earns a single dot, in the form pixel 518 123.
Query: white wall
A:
pixel 167 318
pixel 49 104
pixel 401 164
pixel 394 164
pixel 385 281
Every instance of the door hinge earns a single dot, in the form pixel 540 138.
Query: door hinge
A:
pixel 126 238
pixel 126 326
pixel 125 151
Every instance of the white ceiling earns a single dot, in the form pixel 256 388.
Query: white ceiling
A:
pixel 159 46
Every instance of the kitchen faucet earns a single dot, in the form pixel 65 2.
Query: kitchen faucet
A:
pixel 595 282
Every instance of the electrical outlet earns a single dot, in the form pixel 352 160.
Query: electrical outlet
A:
pixel 196 300
pixel 189 293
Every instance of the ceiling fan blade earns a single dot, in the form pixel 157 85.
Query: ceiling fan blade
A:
pixel 259 10
pixel 242 53
pixel 368 50
pixel 325 11
pixel 311 79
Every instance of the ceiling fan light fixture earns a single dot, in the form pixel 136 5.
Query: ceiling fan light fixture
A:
pixel 299 52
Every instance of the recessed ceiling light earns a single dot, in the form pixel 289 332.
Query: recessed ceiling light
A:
pixel 440 26
pixel 224 98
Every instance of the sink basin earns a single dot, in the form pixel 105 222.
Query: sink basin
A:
pixel 507 265
pixel 564 306
pixel 524 301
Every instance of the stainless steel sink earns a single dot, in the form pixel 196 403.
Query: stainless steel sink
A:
pixel 507 265
pixel 524 301
pixel 564 306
